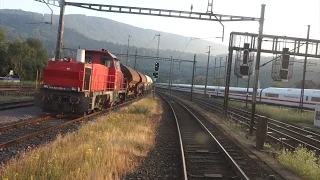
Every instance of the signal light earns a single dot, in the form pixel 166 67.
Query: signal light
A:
pixel 245 53
pixel 157 65
pixel 244 70
pixel 284 73
pixel 245 56
pixel 155 75
pixel 285 58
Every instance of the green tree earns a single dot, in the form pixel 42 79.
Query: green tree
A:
pixel 3 51
pixel 39 60
pixel 218 82
pixel 200 80
pixel 19 54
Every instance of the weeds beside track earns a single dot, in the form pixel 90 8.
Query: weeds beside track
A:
pixel 107 148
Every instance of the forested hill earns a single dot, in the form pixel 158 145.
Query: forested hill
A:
pixel 97 33
pixel 101 29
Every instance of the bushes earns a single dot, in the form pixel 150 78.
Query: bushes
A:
pixel 303 162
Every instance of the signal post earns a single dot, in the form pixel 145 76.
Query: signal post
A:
pixel 155 76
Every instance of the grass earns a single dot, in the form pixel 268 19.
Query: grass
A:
pixel 13 98
pixel 285 114
pixel 25 83
pixel 303 162
pixel 107 148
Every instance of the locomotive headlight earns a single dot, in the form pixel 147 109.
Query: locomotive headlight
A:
pixel 74 100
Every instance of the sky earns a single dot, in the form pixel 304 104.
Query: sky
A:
pixel 282 17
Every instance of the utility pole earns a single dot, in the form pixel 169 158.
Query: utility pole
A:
pixel 257 67
pixel 214 70
pixel 225 70
pixel 192 80
pixel 171 72
pixel 248 84
pixel 135 60
pixel 60 31
pixel 220 71
pixel 237 82
pixel 206 83
pixel 158 44
pixel 128 49
pixel 209 7
pixel 304 70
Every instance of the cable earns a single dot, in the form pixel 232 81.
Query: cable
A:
pixel 185 48
pixel 280 56
pixel 190 37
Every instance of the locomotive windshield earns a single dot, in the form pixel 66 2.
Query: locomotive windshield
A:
pixel 106 60
pixel 117 64
pixel 88 58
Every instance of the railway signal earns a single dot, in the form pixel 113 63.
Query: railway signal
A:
pixel 245 53
pixel 244 67
pixel 284 70
pixel 156 67
pixel 155 75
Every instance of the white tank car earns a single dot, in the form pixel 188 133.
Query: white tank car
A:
pixel 148 85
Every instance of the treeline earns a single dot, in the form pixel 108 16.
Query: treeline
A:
pixel 25 58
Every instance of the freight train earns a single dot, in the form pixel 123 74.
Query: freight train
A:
pixel 277 96
pixel 94 80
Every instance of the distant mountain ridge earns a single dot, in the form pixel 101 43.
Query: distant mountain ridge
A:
pixel 103 29
pixel 90 33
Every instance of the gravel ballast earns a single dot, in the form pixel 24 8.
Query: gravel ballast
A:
pixel 164 160
pixel 12 116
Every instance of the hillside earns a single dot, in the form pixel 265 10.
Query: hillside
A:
pixel 97 33
pixel 102 29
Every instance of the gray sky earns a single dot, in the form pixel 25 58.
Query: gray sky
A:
pixel 283 17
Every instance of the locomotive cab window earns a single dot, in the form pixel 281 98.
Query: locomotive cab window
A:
pixel 117 64
pixel 106 60
pixel 88 58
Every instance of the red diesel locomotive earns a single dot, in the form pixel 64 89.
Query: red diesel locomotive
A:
pixel 93 81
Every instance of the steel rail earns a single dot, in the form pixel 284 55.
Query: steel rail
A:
pixel 16 104
pixel 59 126
pixel 235 114
pixel 269 128
pixel 184 167
pixel 284 125
pixel 231 161
pixel 17 125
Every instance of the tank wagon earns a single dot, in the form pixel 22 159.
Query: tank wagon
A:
pixel 93 81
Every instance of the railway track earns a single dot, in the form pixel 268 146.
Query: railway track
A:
pixel 283 134
pixel 202 154
pixel 18 133
pixel 13 86
pixel 206 152
pixel 16 104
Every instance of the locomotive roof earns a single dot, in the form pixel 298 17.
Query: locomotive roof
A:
pixel 107 52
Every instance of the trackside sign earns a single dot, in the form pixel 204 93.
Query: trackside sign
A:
pixel 317 116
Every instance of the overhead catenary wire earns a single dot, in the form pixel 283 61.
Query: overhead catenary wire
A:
pixel 190 37
pixel 280 56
